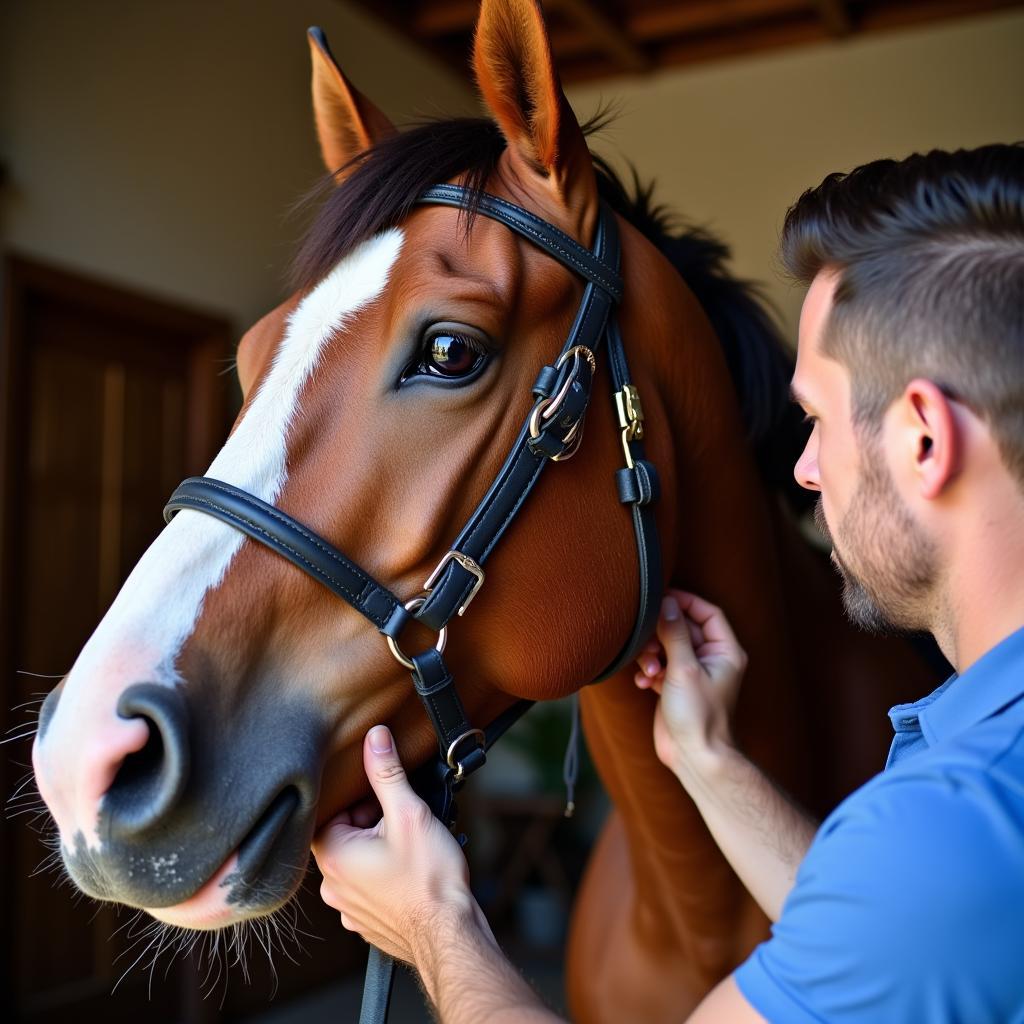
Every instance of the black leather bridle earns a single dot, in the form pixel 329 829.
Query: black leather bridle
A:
pixel 551 433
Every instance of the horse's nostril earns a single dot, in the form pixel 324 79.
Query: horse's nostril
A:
pixel 150 782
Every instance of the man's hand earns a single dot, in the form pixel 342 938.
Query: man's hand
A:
pixel 401 881
pixel 404 886
pixel 695 665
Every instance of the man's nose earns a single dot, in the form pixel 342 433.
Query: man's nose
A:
pixel 806 469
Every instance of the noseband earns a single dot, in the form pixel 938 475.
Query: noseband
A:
pixel 551 433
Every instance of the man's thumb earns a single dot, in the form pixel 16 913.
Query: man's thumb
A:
pixel 383 768
pixel 674 634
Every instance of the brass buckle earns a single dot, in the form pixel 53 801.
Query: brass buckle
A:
pixel 457 765
pixel 631 418
pixel 548 407
pixel 468 564
pixel 400 655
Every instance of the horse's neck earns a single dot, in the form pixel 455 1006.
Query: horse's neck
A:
pixel 717 530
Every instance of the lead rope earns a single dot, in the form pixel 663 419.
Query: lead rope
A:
pixel 571 763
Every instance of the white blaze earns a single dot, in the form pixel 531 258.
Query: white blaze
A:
pixel 157 609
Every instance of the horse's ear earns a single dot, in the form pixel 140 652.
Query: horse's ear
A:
pixel 517 77
pixel 347 123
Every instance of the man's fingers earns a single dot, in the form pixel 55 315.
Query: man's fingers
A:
pixel 365 813
pixel 384 770
pixel 674 633
pixel 332 835
pixel 647 683
pixel 711 619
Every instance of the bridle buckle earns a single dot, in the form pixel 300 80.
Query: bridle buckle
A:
pixel 548 408
pixel 631 418
pixel 467 563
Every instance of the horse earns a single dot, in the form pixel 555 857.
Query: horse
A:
pixel 214 720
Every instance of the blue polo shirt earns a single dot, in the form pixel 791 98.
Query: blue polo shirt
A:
pixel 909 905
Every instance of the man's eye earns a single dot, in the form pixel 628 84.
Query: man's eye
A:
pixel 447 354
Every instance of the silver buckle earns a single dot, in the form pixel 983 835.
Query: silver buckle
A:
pixel 468 564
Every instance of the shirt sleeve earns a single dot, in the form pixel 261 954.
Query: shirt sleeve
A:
pixel 908 906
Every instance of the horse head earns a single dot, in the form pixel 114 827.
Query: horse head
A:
pixel 215 717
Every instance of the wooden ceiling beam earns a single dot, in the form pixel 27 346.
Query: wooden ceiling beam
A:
pixel 441 19
pixel 898 15
pixel 572 41
pixel 610 38
pixel 743 41
pixel 659 23
pixel 835 16
pixel 588 44
pixel 434 20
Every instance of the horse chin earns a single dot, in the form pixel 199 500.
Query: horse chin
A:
pixel 178 881
pixel 208 908
pixel 232 895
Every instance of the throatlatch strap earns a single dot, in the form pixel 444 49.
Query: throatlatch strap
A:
pixel 640 490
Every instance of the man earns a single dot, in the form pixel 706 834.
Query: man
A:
pixel 908 902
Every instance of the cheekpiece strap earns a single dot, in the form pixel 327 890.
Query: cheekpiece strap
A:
pixel 552 431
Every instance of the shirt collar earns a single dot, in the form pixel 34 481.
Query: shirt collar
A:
pixel 993 682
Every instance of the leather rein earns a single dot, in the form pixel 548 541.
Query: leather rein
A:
pixel 551 433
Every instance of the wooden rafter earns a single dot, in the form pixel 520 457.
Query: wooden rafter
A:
pixel 608 37
pixel 706 15
pixel 836 16
pixel 597 38
pixel 434 19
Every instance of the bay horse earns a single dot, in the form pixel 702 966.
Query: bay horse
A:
pixel 215 718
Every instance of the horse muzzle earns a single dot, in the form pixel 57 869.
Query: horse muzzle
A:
pixel 212 804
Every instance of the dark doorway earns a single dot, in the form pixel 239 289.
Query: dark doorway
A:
pixel 109 399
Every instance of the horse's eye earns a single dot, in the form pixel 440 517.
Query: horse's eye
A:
pixel 447 354
pixel 452 355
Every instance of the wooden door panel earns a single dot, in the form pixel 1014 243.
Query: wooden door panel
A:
pixel 102 417
pixel 109 400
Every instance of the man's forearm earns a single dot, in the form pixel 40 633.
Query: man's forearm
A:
pixel 467 977
pixel 762 833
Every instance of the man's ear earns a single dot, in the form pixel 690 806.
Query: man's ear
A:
pixel 933 436
pixel 520 86
pixel 347 123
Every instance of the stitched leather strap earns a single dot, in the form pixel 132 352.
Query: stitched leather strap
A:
pixel 590 265
pixel 458 742
pixel 377 987
pixel 290 539
pixel 648 546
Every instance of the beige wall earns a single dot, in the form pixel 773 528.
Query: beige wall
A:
pixel 733 144
pixel 159 143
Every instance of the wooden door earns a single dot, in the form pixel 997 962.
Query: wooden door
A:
pixel 109 399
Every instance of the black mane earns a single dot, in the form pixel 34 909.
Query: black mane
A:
pixel 385 182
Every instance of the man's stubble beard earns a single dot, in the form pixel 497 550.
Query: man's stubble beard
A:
pixel 888 564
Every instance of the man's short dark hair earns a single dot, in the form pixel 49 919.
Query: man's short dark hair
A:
pixel 930 255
